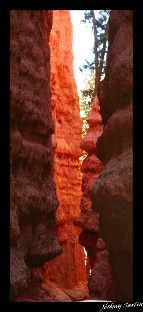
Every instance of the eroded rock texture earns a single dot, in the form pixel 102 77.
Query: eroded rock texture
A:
pixel 112 193
pixel 91 167
pixel 32 188
pixel 100 283
pixel 68 270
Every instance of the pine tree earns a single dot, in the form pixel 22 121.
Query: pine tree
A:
pixel 95 69
pixel 99 26
pixel 87 96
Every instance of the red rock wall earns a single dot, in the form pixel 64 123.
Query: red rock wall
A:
pixel 100 283
pixel 32 188
pixel 63 279
pixel 112 193
pixel 67 270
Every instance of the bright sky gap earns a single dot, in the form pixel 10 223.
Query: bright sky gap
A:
pixel 83 41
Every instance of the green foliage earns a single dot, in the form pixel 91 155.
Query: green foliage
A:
pixel 87 96
pixel 90 66
pixel 101 38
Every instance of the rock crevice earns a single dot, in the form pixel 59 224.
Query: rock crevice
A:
pixel 47 229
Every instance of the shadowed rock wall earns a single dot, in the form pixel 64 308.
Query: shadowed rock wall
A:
pixel 112 193
pixel 33 199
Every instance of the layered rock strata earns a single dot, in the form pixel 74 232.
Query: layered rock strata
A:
pixel 112 193
pixel 33 199
pixel 99 271
pixel 68 270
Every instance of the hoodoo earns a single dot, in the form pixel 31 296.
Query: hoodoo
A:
pixel 99 271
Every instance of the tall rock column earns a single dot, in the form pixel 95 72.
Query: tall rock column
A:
pixel 99 271
pixel 112 193
pixel 33 199
pixel 68 270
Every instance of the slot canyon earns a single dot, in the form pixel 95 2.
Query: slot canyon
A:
pixel 71 222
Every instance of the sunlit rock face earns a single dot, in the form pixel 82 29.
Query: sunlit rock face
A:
pixel 67 270
pixel 112 193
pixel 32 188
pixel 100 283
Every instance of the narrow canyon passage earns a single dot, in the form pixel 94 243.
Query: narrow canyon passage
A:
pixel 60 206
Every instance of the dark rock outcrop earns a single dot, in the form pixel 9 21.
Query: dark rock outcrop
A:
pixel 112 193
pixel 32 188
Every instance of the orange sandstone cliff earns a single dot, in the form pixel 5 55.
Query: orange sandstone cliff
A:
pixel 68 270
